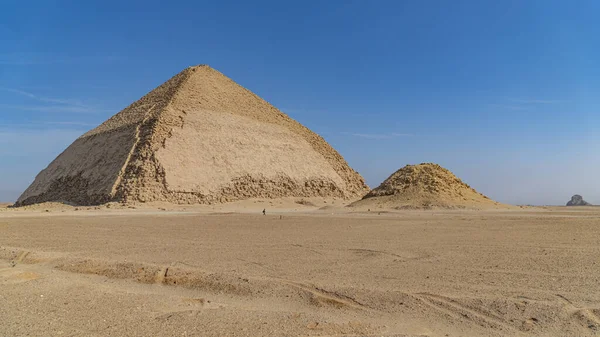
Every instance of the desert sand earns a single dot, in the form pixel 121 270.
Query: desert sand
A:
pixel 308 267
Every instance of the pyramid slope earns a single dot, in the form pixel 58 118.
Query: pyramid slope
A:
pixel 425 186
pixel 197 138
pixel 88 171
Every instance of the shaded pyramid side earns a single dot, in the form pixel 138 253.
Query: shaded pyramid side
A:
pixel 89 171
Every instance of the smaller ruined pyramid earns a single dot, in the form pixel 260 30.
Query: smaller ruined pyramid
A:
pixel 198 138
pixel 424 186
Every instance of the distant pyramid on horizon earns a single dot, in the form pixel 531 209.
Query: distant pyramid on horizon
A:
pixel 197 138
pixel 577 200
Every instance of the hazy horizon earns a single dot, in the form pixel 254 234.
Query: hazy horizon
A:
pixel 482 177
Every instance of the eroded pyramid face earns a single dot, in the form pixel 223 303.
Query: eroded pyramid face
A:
pixel 198 138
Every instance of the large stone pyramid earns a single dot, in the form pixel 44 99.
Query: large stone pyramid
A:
pixel 197 138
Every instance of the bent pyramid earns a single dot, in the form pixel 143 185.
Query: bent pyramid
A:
pixel 425 185
pixel 197 138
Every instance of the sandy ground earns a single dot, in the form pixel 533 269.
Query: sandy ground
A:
pixel 298 271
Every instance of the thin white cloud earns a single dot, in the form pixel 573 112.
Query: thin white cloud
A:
pixel 46 125
pixel 52 104
pixel 535 101
pixel 28 59
pixel 508 107
pixel 68 123
pixel 522 104
pixel 44 99
pixel 377 135
pixel 330 113
pixel 53 108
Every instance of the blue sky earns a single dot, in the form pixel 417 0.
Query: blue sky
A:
pixel 503 93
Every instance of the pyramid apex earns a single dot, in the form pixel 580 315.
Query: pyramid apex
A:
pixel 200 66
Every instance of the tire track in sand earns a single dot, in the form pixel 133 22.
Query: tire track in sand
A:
pixel 459 311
